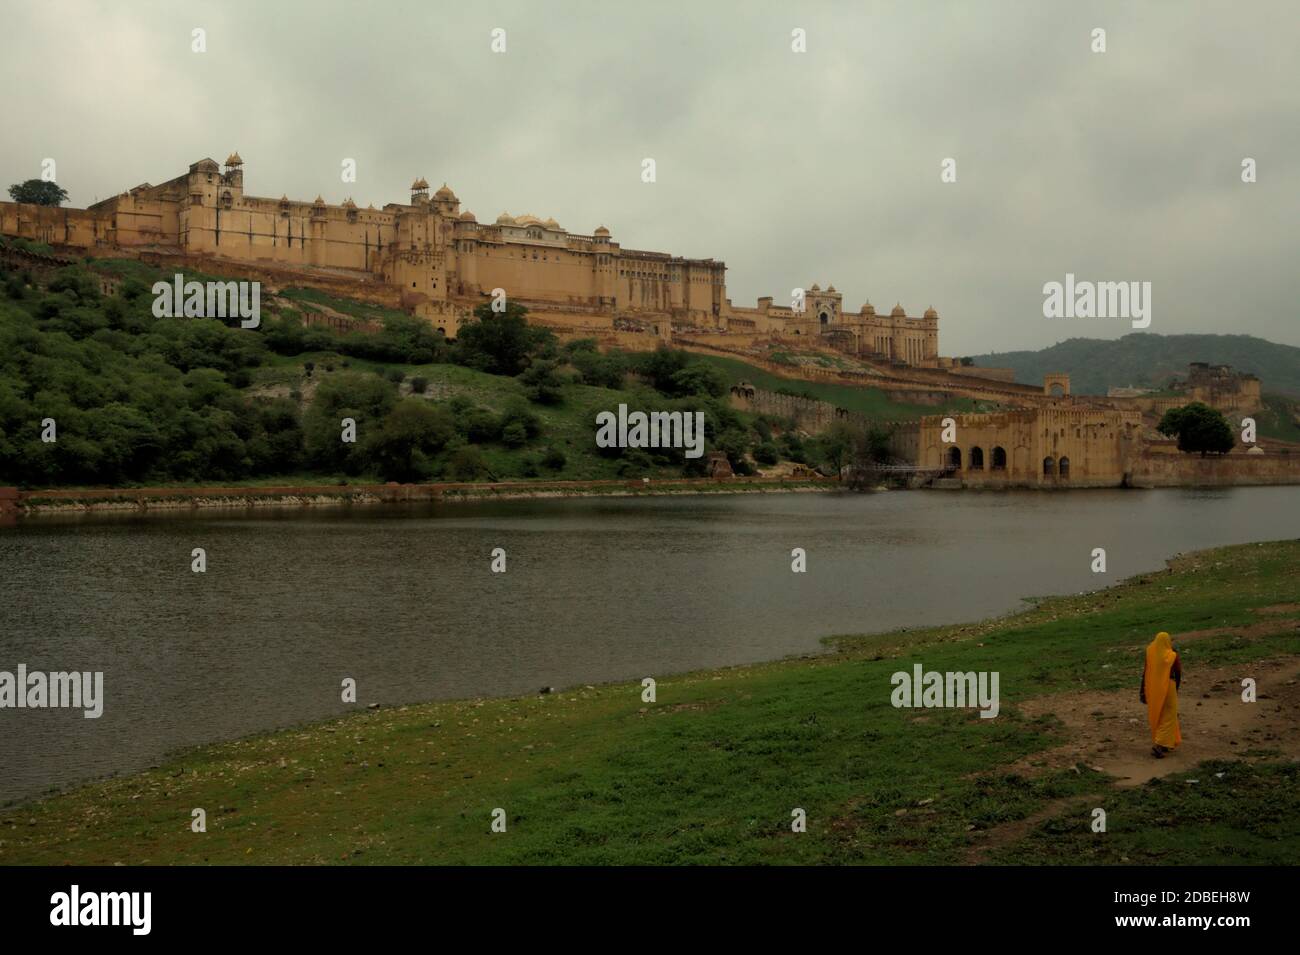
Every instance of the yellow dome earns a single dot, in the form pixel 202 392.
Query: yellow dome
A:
pixel 505 219
pixel 444 192
pixel 898 312
pixel 234 160
pixel 467 216
pixel 931 313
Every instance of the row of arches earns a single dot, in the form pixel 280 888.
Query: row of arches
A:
pixel 998 461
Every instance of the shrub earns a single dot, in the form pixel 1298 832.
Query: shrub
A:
pixel 554 459
pixel 466 464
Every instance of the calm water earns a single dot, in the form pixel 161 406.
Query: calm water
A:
pixel 404 602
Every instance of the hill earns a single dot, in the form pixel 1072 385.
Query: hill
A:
pixel 1146 360
pixel 97 391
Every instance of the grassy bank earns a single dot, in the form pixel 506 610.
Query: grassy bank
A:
pixel 872 402
pixel 711 771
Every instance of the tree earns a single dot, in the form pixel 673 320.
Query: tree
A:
pixel 410 434
pixel 1199 428
pixel 837 445
pixel 660 366
pixel 366 399
pixel 467 464
pixel 698 379
pixel 38 192
pixel 542 384
pixel 501 343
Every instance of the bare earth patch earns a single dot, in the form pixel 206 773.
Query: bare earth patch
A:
pixel 1279 608
pixel 1109 732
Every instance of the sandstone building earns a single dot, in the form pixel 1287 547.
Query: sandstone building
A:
pixel 442 261
pixel 1040 447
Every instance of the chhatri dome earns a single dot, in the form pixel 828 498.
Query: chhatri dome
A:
pixel 444 192
pixel 601 230
pixel 467 216
pixel 505 219
pixel 931 313
pixel 898 312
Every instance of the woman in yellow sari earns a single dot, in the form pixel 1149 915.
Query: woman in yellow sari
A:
pixel 1161 678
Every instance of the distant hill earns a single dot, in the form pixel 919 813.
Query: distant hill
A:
pixel 1146 360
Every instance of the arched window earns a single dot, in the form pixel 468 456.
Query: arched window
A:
pixel 1049 467
pixel 999 459
pixel 1065 467
pixel 953 459
pixel 977 458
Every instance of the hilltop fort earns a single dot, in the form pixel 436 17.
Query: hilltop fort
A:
pixel 438 261
pixel 435 260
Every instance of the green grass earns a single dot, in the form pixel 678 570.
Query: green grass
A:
pixel 872 402
pixel 711 771
pixel 1233 812
pixel 346 306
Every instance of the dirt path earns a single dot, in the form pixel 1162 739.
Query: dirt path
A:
pixel 1108 731
pixel 986 840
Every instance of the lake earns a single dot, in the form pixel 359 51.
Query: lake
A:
pixel 404 600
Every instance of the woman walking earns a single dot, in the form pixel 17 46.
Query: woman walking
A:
pixel 1161 678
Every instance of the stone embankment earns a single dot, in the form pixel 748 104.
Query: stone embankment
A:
pixel 14 501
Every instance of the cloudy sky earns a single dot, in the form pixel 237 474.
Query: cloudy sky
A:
pixel 793 168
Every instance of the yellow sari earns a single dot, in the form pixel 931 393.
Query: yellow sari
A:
pixel 1161 694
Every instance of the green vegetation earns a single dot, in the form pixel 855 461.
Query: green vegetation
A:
pixel 1230 812
pixel 1280 418
pixel 38 192
pixel 137 400
pixel 1199 428
pixel 1145 360
pixel 872 402
pixel 710 772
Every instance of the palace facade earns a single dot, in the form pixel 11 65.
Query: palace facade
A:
pixel 444 261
